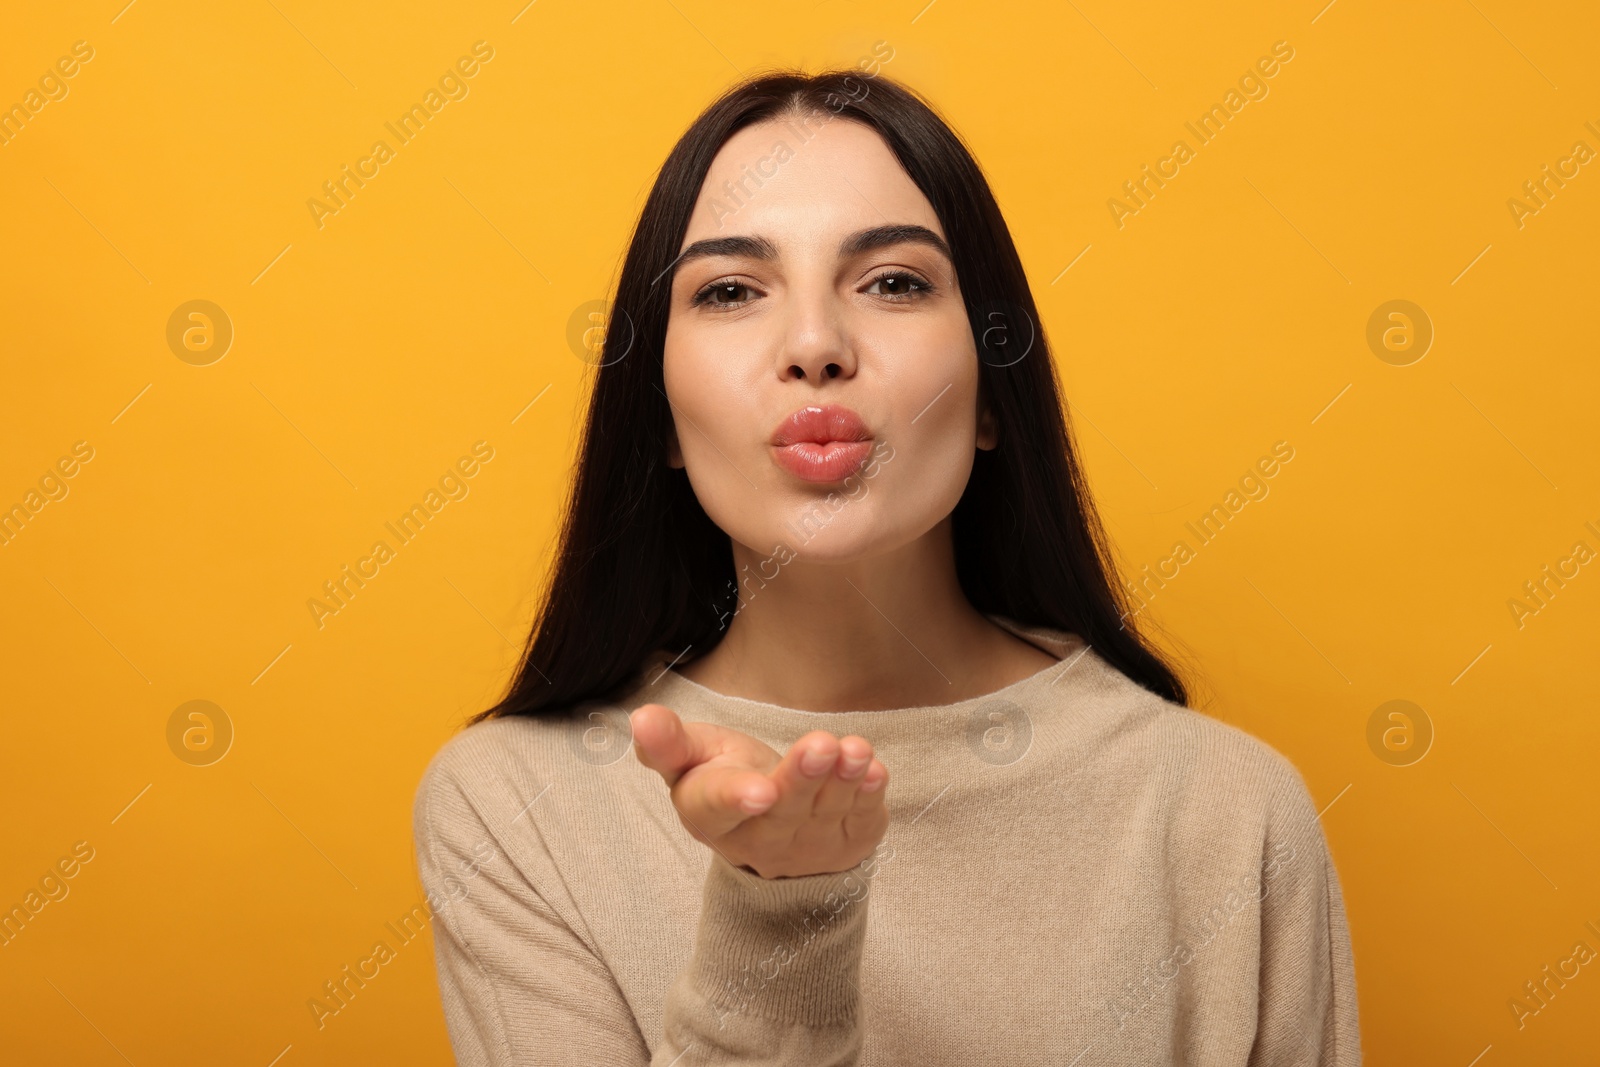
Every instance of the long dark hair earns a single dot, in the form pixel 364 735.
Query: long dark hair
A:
pixel 641 567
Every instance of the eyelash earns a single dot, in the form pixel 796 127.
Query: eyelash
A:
pixel 924 287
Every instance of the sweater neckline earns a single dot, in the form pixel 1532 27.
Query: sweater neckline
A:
pixel 1066 646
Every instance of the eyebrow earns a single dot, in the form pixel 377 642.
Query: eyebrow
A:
pixel 762 248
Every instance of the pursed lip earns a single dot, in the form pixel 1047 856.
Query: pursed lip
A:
pixel 821 423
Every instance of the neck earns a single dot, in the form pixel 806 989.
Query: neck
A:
pixel 891 631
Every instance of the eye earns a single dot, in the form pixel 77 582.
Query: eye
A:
pixel 715 293
pixel 902 285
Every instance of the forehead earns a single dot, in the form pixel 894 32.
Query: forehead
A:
pixel 806 183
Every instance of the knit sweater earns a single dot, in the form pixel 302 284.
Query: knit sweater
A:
pixel 1076 872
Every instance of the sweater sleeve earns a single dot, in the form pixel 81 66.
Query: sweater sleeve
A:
pixel 1307 1010
pixel 772 979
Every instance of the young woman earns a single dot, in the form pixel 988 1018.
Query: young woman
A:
pixel 833 742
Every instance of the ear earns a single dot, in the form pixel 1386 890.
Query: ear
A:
pixel 988 427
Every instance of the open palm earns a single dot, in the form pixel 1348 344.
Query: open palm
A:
pixel 817 809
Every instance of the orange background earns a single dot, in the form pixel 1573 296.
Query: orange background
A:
pixel 370 353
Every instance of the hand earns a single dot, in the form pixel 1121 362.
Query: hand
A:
pixel 761 811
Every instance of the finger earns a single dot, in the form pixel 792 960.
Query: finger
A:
pixel 837 796
pixel 870 812
pixel 801 775
pixel 664 744
pixel 876 778
pixel 713 799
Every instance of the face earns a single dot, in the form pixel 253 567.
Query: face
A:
pixel 819 362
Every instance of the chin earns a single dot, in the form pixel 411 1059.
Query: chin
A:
pixel 859 530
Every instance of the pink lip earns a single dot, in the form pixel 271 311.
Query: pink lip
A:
pixel 825 443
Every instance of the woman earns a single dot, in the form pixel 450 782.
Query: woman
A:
pixel 827 532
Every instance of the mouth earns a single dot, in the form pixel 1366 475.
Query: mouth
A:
pixel 821 443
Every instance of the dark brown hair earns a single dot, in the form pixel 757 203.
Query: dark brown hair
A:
pixel 640 566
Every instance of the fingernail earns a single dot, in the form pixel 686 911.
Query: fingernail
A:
pixel 752 806
pixel 851 766
pixel 815 763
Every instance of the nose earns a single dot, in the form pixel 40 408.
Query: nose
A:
pixel 816 344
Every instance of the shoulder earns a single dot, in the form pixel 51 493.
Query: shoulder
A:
pixel 1230 757
pixel 491 774
pixel 1199 761
pixel 485 745
pixel 455 791
pixel 487 771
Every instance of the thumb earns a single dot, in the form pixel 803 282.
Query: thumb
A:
pixel 662 743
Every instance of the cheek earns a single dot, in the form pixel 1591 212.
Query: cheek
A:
pixel 712 414
pixel 933 439
pixel 938 427
pixel 934 455
pixel 933 380
pixel 703 392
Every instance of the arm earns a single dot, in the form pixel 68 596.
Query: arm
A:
pixel 519 986
pixel 774 972
pixel 783 915
pixel 1308 1014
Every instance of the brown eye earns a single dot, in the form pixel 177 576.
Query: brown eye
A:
pixel 899 285
pixel 723 294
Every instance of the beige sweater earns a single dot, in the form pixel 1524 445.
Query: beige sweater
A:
pixel 1076 872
